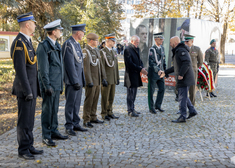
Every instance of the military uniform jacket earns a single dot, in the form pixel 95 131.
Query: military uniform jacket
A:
pixel 196 57
pixel 50 65
pixel 73 63
pixel 25 64
pixel 156 65
pixel 93 67
pixel 110 63
pixel 212 56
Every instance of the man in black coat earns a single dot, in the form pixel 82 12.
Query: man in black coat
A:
pixel 133 67
pixel 25 85
pixel 185 75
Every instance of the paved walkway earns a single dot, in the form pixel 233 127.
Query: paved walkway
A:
pixel 148 141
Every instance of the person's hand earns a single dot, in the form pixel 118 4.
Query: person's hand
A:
pixel 49 91
pixel 90 85
pixel 143 71
pixel 104 83
pixel 29 97
pixel 117 82
pixel 76 86
pixel 162 74
pixel 180 77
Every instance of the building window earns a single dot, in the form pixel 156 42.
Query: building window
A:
pixel 3 44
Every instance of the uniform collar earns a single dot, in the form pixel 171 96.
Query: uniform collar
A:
pixel 91 47
pixel 53 41
pixel 110 49
pixel 74 39
pixel 26 36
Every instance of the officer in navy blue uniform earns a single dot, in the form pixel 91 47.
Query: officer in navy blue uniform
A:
pixel 50 75
pixel 74 78
pixel 25 85
pixel 156 65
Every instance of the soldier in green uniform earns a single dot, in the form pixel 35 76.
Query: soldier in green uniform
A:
pixel 157 64
pixel 197 60
pixel 110 63
pixel 212 58
pixel 94 74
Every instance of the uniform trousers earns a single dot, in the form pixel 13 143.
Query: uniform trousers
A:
pixel 49 119
pixel 107 99
pixel 185 102
pixel 151 88
pixel 192 89
pixel 90 103
pixel 72 106
pixel 25 124
pixel 131 95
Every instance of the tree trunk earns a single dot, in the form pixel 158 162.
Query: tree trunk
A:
pixel 222 43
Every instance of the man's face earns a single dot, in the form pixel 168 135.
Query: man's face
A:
pixel 172 44
pixel 94 42
pixel 80 35
pixel 111 43
pixel 57 33
pixel 158 41
pixel 31 26
pixel 189 43
pixel 143 35
pixel 136 42
pixel 213 44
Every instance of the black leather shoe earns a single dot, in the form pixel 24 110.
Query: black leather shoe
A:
pixel 97 121
pixel 181 119
pixel 161 110
pixel 79 128
pixel 133 114
pixel 28 156
pixel 137 112
pixel 179 112
pixel 88 124
pixel 70 132
pixel 59 137
pixel 153 111
pixel 191 115
pixel 35 151
pixel 212 94
pixel 113 116
pixel 106 118
pixel 48 142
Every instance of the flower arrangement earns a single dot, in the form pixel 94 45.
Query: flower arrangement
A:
pixel 205 78
pixel 202 80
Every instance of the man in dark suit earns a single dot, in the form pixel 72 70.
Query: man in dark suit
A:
pixel 25 85
pixel 74 79
pixel 50 75
pixel 184 72
pixel 133 67
pixel 156 65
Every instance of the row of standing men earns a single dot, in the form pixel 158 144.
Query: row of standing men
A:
pixel 42 73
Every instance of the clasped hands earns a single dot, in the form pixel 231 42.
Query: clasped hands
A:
pixel 161 73
pixel 143 71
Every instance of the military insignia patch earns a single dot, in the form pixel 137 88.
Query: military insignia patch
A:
pixel 150 53
pixel 183 53
pixel 19 48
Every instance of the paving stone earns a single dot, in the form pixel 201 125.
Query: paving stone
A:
pixel 207 140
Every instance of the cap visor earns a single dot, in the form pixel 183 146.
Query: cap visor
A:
pixel 179 28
